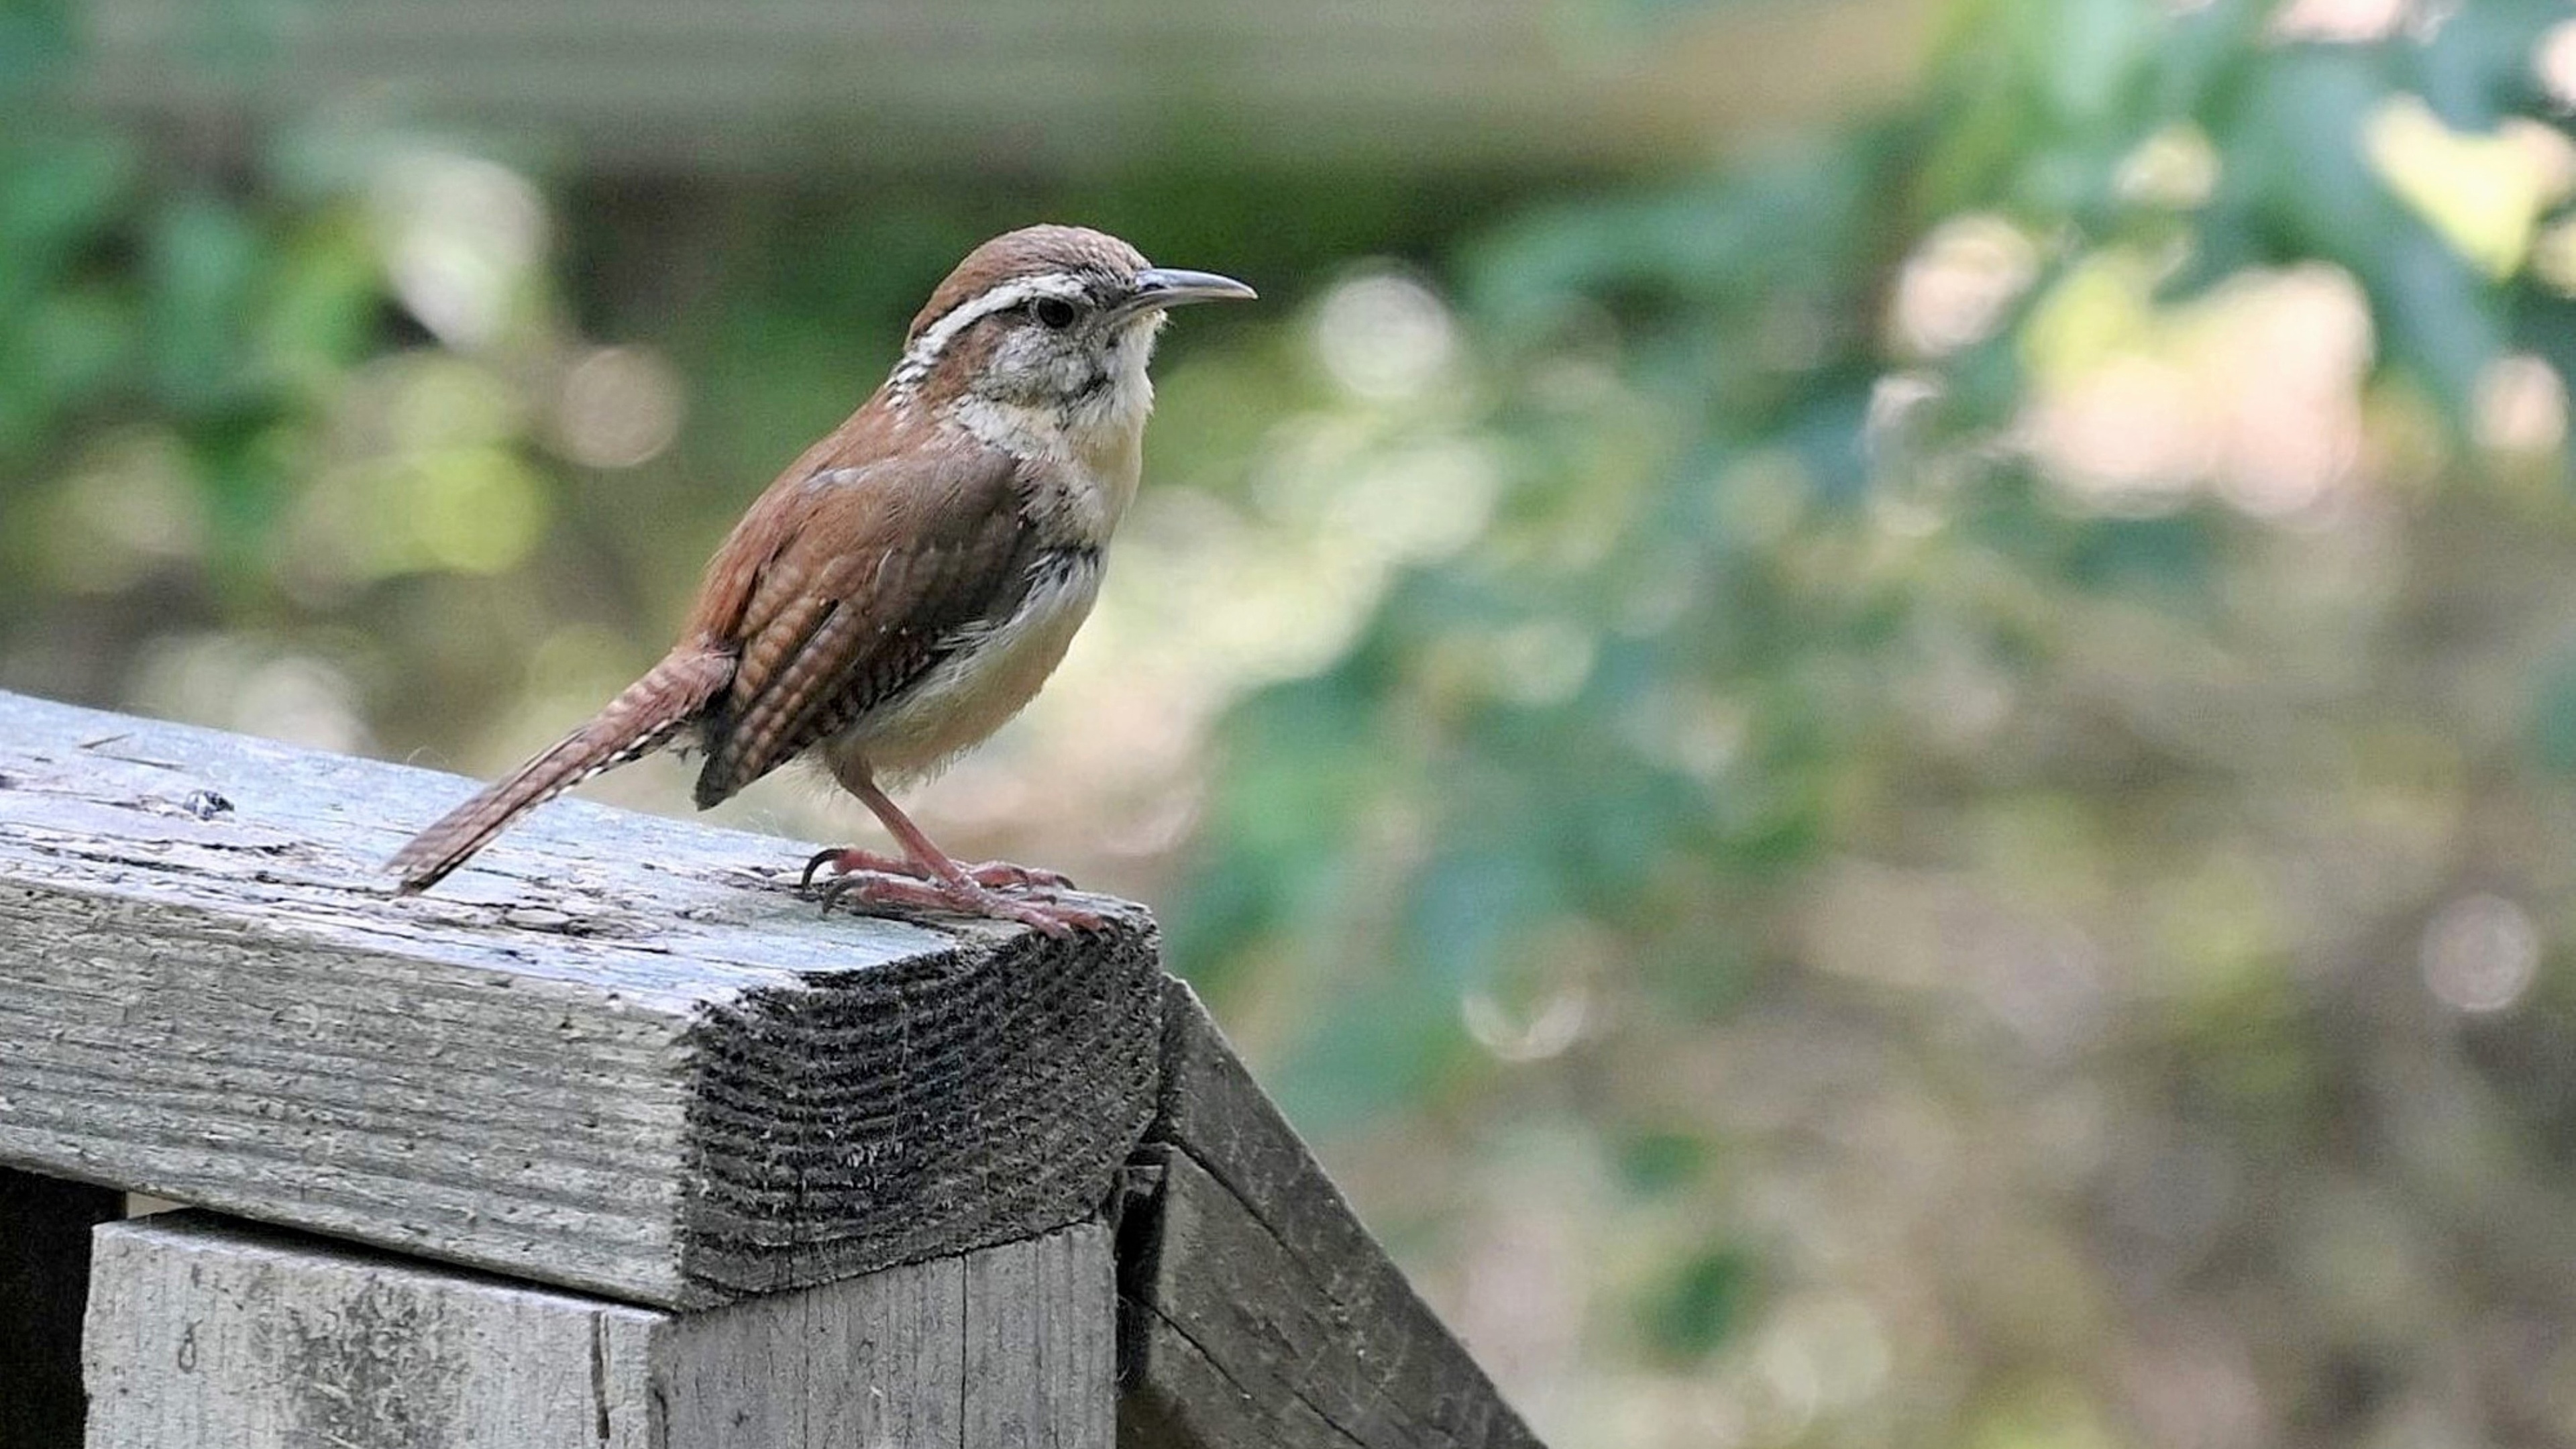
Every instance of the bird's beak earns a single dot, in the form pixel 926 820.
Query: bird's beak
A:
pixel 1171 286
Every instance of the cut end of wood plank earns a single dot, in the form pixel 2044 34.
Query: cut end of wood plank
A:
pixel 949 1099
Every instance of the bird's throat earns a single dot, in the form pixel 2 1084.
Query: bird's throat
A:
pixel 1088 452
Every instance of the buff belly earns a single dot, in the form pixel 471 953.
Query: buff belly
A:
pixel 977 689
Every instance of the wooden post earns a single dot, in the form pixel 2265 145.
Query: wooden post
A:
pixel 214 1335
pixel 704 1135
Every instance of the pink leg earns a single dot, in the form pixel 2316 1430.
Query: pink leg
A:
pixel 927 877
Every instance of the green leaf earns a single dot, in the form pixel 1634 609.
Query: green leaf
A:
pixel 57 197
pixel 203 258
pixel 2299 140
pixel 1652 1163
pixel 1702 1304
pixel 38 42
pixel 2476 67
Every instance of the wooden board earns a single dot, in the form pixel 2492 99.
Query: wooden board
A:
pixel 210 1334
pixel 1256 1311
pixel 619 1054
pixel 44 1277
pixel 807 88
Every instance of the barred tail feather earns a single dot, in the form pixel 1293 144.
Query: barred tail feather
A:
pixel 635 724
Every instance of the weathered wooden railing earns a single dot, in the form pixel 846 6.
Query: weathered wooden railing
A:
pixel 616 1140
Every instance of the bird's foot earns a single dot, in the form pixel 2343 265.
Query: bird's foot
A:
pixel 996 874
pixel 959 897
pixel 865 878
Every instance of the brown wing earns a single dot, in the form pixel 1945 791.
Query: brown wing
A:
pixel 886 565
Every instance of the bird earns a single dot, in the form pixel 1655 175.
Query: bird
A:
pixel 908 583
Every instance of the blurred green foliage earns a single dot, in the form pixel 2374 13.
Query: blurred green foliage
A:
pixel 1804 593
pixel 1940 815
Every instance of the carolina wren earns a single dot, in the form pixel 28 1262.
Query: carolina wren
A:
pixel 912 579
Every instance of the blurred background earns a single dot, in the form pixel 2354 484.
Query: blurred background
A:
pixel 1869 705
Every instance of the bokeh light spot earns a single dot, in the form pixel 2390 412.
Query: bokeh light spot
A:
pixel 2344 22
pixel 1384 336
pixel 618 407
pixel 2554 63
pixel 2480 953
pixel 2484 193
pixel 476 510
pixel 463 237
pixel 127 508
pixel 1955 287
pixel 2521 407
pixel 2176 168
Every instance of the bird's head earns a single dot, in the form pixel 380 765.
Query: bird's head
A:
pixel 1048 326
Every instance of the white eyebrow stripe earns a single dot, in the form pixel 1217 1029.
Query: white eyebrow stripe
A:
pixel 1018 292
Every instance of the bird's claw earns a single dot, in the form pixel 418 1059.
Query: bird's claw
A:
pixel 1002 874
pixel 965 898
pixel 816 862
pixel 996 874
pixel 869 879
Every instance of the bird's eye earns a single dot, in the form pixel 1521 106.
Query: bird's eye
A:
pixel 1055 312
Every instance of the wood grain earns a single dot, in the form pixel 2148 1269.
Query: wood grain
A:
pixel 44 1278
pixel 1255 1308
pixel 618 1054
pixel 211 1334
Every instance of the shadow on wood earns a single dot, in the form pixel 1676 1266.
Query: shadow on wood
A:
pixel 44 1278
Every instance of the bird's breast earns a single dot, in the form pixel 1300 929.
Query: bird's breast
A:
pixel 1084 464
pixel 987 678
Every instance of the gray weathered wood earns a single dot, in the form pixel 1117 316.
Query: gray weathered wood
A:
pixel 623 1056
pixel 44 1277
pixel 206 1333
pixel 620 1054
pixel 1045 1372
pixel 1256 1310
